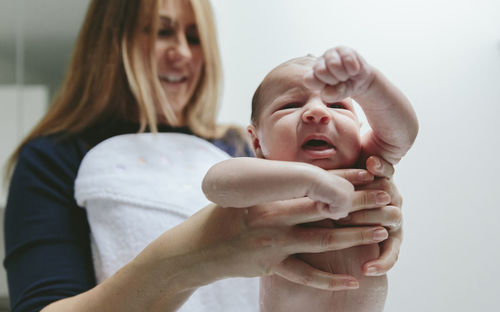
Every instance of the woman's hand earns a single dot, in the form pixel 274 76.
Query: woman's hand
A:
pixel 388 216
pixel 263 240
pixel 218 243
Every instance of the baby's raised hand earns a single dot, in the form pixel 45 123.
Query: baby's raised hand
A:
pixel 339 73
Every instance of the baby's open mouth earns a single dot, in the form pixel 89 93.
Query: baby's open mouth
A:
pixel 317 145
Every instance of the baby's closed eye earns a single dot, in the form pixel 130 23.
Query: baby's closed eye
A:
pixel 291 105
pixel 337 105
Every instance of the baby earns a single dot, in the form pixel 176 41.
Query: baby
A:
pixel 304 124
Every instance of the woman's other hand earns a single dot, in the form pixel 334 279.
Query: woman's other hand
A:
pixel 262 240
pixel 389 216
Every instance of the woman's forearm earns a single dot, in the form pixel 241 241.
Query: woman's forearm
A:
pixel 161 278
pixel 130 289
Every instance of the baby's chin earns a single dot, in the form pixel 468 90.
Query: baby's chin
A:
pixel 330 164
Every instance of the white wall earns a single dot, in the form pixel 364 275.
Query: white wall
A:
pixel 445 55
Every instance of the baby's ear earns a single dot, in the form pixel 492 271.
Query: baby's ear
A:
pixel 252 131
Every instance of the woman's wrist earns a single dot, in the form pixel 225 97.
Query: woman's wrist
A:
pixel 164 275
pixel 185 257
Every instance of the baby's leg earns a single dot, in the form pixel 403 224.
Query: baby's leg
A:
pixel 278 294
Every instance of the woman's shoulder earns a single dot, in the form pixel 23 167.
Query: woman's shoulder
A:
pixel 57 155
pixel 234 141
pixel 57 147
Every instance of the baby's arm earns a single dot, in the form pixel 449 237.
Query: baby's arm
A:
pixel 392 120
pixel 244 182
pixel 340 73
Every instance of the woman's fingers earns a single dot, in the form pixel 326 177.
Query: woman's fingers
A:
pixel 379 167
pixel 369 199
pixel 386 185
pixel 297 271
pixel 285 213
pixel 304 210
pixel 389 252
pixel 311 239
pixel 388 216
pixel 355 176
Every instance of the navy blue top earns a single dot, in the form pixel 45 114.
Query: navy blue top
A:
pixel 47 242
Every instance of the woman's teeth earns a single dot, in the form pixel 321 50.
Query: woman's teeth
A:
pixel 173 79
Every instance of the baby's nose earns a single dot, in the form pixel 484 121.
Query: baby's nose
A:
pixel 316 114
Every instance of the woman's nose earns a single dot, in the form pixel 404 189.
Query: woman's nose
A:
pixel 180 49
pixel 316 113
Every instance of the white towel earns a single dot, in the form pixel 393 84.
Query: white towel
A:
pixel 135 187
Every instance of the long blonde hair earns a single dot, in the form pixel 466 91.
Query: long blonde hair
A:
pixel 109 77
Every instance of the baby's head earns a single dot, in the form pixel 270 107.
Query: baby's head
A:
pixel 291 122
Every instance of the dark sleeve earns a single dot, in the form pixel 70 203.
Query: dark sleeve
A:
pixel 234 143
pixel 46 234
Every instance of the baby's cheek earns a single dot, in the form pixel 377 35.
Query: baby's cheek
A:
pixel 280 146
pixel 353 157
pixel 353 148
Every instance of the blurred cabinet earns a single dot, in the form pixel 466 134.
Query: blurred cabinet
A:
pixel 20 109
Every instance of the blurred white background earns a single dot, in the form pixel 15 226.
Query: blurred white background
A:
pixel 444 54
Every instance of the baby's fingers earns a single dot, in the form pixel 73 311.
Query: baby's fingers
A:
pixel 334 65
pixel 297 271
pixel 324 74
pixel 312 82
pixel 350 60
pixel 338 92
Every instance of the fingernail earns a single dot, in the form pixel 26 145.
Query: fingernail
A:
pixel 351 284
pixel 380 235
pixel 382 198
pixel 372 271
pixel 364 176
pixel 377 163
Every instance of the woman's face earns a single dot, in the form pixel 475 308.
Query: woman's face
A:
pixel 178 53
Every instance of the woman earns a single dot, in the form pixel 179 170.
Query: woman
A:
pixel 148 66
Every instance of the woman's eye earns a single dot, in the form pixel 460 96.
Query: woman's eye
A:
pixel 193 39
pixel 336 105
pixel 192 35
pixel 165 32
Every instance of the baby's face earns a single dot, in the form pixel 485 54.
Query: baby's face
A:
pixel 294 124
